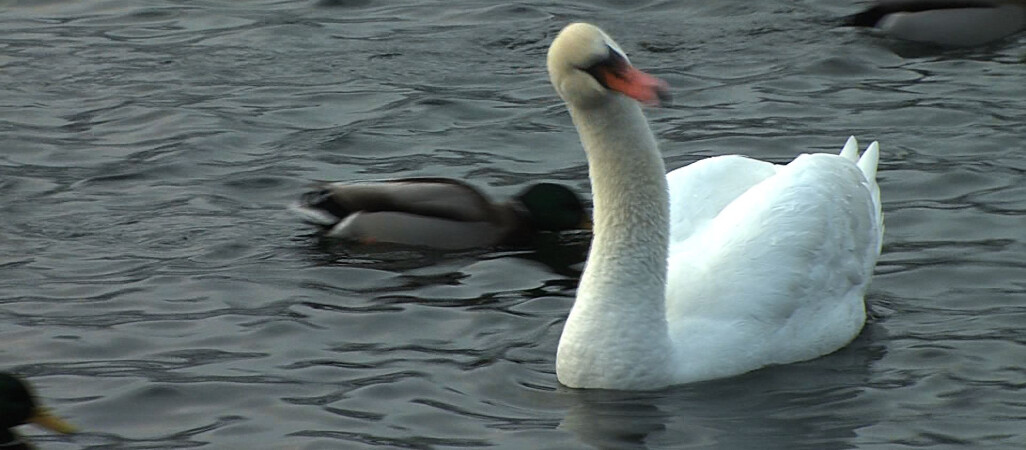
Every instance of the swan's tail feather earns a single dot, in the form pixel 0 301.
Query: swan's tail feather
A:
pixel 867 163
pixel 851 149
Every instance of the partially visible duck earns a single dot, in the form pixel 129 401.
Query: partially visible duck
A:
pixel 18 406
pixel 438 212
pixel 953 23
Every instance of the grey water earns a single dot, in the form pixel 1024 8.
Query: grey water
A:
pixel 159 295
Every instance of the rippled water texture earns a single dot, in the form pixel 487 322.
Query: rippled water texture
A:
pixel 159 295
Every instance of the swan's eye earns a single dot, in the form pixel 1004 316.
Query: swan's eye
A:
pixel 614 64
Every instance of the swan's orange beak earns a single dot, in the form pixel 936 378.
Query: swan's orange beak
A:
pixel 635 84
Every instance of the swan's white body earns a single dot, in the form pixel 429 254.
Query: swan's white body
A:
pixel 716 269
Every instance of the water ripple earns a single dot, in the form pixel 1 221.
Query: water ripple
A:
pixel 159 295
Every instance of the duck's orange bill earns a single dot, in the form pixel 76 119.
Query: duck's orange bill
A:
pixel 46 419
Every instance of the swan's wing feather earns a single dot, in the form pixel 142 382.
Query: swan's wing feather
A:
pixel 788 260
pixel 699 191
pixel 851 149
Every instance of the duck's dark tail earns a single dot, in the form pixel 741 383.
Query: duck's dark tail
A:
pixel 867 18
pixel 319 207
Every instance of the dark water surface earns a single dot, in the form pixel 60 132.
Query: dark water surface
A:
pixel 160 296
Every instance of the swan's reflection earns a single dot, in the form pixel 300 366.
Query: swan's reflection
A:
pixel 813 405
pixel 614 419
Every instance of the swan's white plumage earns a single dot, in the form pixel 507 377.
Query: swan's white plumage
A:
pixel 717 268
pixel 778 275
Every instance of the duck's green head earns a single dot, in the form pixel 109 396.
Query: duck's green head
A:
pixel 554 207
pixel 18 406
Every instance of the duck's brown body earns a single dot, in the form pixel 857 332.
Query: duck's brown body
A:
pixel 437 212
pixel 954 23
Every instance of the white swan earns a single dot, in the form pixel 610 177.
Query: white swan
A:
pixel 750 264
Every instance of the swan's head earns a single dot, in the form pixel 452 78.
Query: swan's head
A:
pixel 587 68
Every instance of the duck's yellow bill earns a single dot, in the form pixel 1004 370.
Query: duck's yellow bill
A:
pixel 46 419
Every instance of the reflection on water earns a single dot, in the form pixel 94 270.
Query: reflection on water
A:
pixel 159 294
pixel 816 405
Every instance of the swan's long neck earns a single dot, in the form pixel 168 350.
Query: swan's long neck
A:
pixel 631 203
pixel 617 328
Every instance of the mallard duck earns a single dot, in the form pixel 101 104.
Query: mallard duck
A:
pixel 18 406
pixel 953 23
pixel 438 212
pixel 717 268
